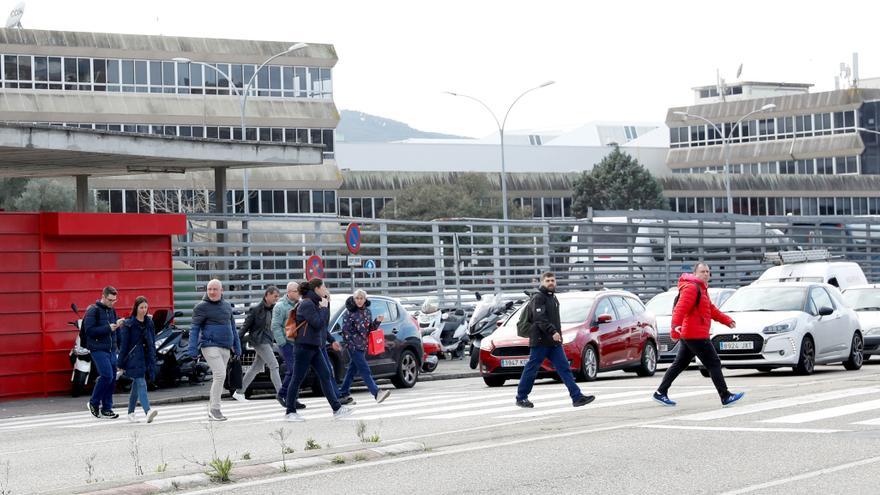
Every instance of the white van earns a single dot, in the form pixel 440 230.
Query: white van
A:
pixel 841 274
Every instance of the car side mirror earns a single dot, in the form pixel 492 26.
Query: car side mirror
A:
pixel 825 311
pixel 508 305
pixel 604 318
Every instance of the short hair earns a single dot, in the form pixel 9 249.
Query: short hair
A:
pixel 215 282
pixel 293 286
pixel 271 290
pixel 697 266
pixel 360 292
pixel 546 275
pixel 109 290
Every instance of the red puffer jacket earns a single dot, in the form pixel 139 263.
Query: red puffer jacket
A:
pixel 695 319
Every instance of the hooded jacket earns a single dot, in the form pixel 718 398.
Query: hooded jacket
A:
pixel 213 325
pixel 695 319
pixel 279 318
pixel 356 324
pixel 545 319
pixel 315 332
pixel 96 323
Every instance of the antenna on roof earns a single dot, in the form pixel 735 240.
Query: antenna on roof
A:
pixel 14 19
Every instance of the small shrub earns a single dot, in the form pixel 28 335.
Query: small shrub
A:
pixel 311 444
pixel 220 469
pixel 360 457
pixel 338 460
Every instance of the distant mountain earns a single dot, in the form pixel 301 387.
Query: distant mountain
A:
pixel 359 127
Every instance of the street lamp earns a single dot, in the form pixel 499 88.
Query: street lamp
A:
pixel 501 126
pixel 242 97
pixel 725 142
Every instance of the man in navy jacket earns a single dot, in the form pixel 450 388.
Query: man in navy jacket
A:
pixel 100 323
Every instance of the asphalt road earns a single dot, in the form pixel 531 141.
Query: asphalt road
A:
pixel 816 434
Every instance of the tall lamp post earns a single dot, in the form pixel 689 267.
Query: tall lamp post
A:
pixel 501 126
pixel 725 142
pixel 242 98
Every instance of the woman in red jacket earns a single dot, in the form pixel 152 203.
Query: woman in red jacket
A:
pixel 691 319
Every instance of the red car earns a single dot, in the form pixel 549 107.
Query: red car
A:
pixel 601 331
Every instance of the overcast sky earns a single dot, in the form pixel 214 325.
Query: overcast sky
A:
pixel 612 61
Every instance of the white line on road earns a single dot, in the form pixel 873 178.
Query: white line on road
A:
pixel 831 412
pixel 742 429
pixel 805 476
pixel 598 405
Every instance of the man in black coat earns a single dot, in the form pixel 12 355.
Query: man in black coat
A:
pixel 545 342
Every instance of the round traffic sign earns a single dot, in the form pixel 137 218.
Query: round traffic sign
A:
pixel 353 238
pixel 314 267
pixel 369 265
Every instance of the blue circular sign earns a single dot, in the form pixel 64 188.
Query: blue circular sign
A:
pixel 353 238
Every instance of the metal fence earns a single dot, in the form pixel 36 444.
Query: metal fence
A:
pixel 641 251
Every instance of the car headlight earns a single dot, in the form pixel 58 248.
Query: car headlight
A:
pixel 569 337
pixel 873 331
pixel 781 327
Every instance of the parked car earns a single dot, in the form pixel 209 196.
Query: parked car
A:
pixel 400 362
pixel 661 306
pixel 601 331
pixel 788 324
pixel 865 301
pixel 812 266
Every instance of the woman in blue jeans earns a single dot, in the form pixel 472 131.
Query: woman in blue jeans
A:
pixel 357 323
pixel 137 356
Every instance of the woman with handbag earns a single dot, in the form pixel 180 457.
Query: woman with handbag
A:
pixel 357 324
pixel 137 356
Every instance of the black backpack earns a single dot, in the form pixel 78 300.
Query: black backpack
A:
pixel 82 328
pixel 524 324
pixel 696 304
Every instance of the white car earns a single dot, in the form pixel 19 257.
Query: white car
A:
pixel 661 306
pixel 788 324
pixel 865 300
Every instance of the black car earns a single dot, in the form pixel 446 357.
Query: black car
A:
pixel 400 362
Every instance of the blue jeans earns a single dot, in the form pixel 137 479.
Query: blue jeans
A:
pixel 102 395
pixel 138 390
pixel 304 357
pixel 556 355
pixel 358 365
pixel 287 354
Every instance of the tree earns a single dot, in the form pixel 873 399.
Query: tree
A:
pixel 464 196
pixel 40 195
pixel 618 182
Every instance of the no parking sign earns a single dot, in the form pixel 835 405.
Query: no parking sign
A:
pixel 314 267
pixel 353 238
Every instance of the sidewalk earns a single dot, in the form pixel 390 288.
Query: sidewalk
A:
pixel 446 370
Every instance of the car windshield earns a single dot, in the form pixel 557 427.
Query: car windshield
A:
pixel 863 299
pixel 757 298
pixel 661 304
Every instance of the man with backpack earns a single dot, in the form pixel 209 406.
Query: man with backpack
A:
pixel 692 315
pixel 99 324
pixel 540 320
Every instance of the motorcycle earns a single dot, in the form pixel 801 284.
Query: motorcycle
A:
pixel 448 327
pixel 431 348
pixel 172 353
pixel 491 311
pixel 81 359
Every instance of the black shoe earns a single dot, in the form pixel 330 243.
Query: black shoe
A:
pixel 584 400
pixel 525 403
pixel 347 399
pixel 299 405
pixel 109 414
pixel 94 410
pixel 281 400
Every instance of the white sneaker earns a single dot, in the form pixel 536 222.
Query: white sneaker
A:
pixel 239 397
pixel 132 418
pixel 216 415
pixel 294 418
pixel 382 395
pixel 151 415
pixel 341 412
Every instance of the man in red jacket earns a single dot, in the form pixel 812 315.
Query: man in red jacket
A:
pixel 691 318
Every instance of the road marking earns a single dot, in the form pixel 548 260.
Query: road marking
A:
pixel 599 405
pixel 778 404
pixel 870 422
pixel 805 476
pixel 511 407
pixel 742 429
pixel 831 412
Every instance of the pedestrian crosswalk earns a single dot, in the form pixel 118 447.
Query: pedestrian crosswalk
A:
pixel 855 407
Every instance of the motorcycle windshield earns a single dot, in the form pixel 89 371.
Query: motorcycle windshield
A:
pixel 485 307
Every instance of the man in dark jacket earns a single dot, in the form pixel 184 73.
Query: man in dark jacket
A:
pixel 213 332
pixel 257 328
pixel 545 342
pixel 100 323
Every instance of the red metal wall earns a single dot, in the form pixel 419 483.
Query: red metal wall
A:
pixel 50 260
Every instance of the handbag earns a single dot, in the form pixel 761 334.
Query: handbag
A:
pixel 233 374
pixel 376 342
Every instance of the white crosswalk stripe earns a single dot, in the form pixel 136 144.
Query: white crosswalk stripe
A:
pixel 832 412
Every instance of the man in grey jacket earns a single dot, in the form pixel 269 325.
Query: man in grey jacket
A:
pixel 279 318
pixel 257 329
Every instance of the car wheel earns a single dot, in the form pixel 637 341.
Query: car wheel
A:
pixel 407 370
pixel 807 361
pixel 705 372
pixel 589 364
pixel 649 360
pixel 475 356
pixel 856 358
pixel 494 381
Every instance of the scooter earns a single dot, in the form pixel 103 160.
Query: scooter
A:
pixel 172 355
pixel 448 327
pixel 81 360
pixel 488 315
pixel 431 348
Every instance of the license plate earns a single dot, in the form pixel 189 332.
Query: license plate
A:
pixel 736 346
pixel 664 348
pixel 510 363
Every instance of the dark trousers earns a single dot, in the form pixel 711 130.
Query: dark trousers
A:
pixel 705 351
pixel 305 357
pixel 357 364
pixel 556 355
pixel 287 354
pixel 329 364
pixel 102 394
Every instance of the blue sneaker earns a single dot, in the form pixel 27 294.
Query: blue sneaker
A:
pixel 732 398
pixel 663 399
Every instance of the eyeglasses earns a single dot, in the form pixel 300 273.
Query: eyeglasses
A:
pixel 112 300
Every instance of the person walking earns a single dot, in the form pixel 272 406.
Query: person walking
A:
pixel 257 328
pixel 545 342
pixel 280 313
pixel 357 323
pixel 137 356
pixel 691 319
pixel 213 333
pixel 100 323
pixel 314 310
